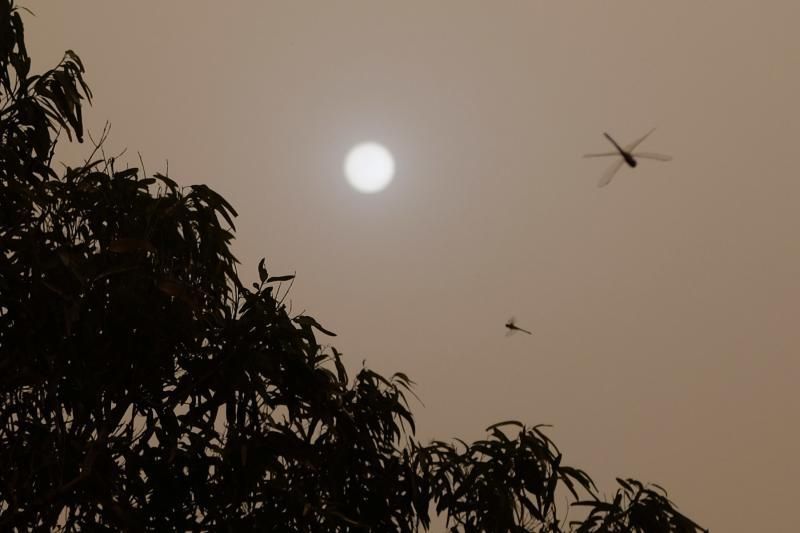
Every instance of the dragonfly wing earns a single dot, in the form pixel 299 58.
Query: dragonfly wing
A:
pixel 609 174
pixel 638 141
pixel 651 155
pixel 605 154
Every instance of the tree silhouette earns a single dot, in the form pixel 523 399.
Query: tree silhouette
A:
pixel 144 387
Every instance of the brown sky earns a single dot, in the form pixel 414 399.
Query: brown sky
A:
pixel 664 307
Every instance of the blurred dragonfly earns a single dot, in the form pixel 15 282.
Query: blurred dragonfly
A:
pixel 626 155
pixel 512 327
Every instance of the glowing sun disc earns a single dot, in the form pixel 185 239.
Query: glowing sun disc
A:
pixel 369 167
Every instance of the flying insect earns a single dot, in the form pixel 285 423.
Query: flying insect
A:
pixel 627 156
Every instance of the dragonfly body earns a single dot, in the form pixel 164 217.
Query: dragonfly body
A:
pixel 512 327
pixel 627 156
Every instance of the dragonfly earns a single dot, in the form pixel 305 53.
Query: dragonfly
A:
pixel 626 155
pixel 512 327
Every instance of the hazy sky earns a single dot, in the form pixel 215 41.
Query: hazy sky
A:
pixel 664 307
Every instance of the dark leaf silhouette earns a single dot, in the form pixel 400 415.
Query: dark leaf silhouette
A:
pixel 308 322
pixel 274 279
pixel 262 271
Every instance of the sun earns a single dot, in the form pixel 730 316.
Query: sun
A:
pixel 369 167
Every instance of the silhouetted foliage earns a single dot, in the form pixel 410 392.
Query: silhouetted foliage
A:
pixel 143 387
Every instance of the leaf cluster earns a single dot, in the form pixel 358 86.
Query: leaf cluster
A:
pixel 636 508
